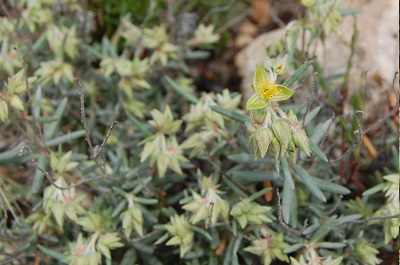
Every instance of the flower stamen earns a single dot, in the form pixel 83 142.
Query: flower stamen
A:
pixel 269 90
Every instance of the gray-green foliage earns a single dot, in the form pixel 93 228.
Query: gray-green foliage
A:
pixel 175 181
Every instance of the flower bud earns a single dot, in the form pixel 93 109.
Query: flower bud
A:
pixel 276 147
pixel 263 137
pixel 301 140
pixel 292 117
pixel 282 132
pixel 292 151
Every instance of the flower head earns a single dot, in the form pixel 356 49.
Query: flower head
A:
pixel 266 90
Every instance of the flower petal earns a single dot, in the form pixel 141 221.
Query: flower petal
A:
pixel 284 93
pixel 260 79
pixel 256 102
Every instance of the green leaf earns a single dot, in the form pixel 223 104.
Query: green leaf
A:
pixel 330 187
pixel 349 218
pixel 142 127
pixel 38 177
pixel 202 232
pixel 320 131
pixel 286 172
pixel 52 253
pixel 258 194
pixel 171 84
pixel 129 257
pixel 310 183
pixel 317 151
pixel 236 245
pixel 38 100
pixel 228 253
pixel 63 161
pixel 311 115
pixel 104 250
pixel 93 51
pixel 324 229
pixel 293 248
pixel 254 176
pixel 374 189
pixel 289 202
pixel 117 210
pixel 143 248
pixel 248 158
pixel 11 156
pixel 65 138
pixel 297 74
pixel 53 127
pixel 256 102
pixel 197 55
pixel 230 114
pixel 162 239
pixel 233 186
pixel 332 245
pixel 145 200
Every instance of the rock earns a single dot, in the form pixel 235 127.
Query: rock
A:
pixel 252 55
pixel 246 32
pixel 261 12
pixel 376 52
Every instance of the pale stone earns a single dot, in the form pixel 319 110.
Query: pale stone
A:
pixel 376 50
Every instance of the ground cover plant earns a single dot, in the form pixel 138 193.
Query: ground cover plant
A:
pixel 112 153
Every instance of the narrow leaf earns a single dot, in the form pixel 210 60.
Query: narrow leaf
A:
pixel 260 193
pixel 162 239
pixel 286 172
pixel 289 201
pixel 52 128
pixel 311 115
pixel 332 245
pixel 324 229
pixel 254 176
pixel 374 189
pixel 142 127
pixel 171 84
pixel 52 253
pixel 65 138
pixel 9 156
pixel 233 186
pixel 349 218
pixel 310 183
pixel 230 114
pixel 330 187
pixel 318 152
pixel 202 232
pixel 248 158
pixel 145 200
pixel 297 74
pixel 320 131
pixel 293 248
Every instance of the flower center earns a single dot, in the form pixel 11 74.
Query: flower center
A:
pixel 269 90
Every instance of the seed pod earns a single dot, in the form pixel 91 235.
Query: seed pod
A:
pixel 282 131
pixel 275 147
pixel 292 152
pixel 253 143
pixel 263 136
pixel 292 116
pixel 301 140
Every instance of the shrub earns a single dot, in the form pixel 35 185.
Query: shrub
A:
pixel 183 177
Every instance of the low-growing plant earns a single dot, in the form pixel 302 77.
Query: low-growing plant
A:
pixel 122 160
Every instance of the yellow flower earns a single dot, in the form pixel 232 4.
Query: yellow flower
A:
pixel 266 91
